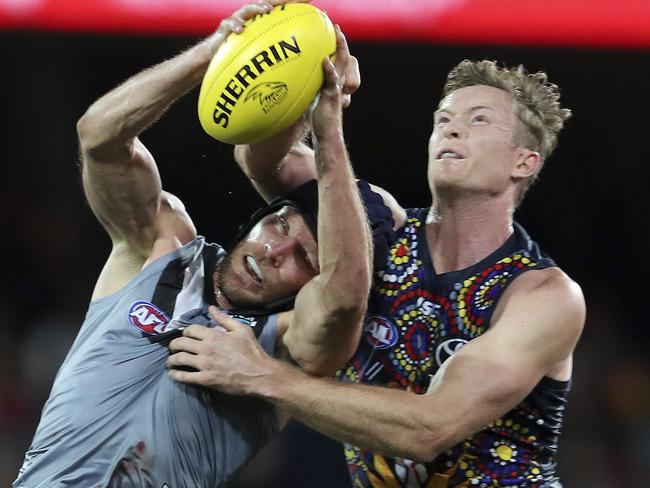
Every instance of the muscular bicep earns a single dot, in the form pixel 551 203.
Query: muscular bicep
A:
pixel 536 328
pixel 123 188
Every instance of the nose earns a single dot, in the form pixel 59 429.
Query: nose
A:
pixel 277 251
pixel 454 129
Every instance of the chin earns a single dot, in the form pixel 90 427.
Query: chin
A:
pixel 240 300
pixel 447 182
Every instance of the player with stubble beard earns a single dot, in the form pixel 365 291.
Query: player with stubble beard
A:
pixel 114 417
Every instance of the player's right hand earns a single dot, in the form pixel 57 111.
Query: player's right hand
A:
pixel 227 359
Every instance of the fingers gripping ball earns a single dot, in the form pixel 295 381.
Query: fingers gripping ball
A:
pixel 262 80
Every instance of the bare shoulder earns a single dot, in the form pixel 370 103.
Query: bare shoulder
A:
pixel 399 214
pixel 538 322
pixel 547 303
pixel 129 257
pixel 551 283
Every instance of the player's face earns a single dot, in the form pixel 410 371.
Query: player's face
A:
pixel 277 257
pixel 472 147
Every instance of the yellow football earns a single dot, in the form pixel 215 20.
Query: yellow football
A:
pixel 262 80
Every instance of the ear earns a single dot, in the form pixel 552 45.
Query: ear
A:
pixel 527 164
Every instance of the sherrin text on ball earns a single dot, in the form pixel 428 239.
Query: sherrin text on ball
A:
pixel 262 80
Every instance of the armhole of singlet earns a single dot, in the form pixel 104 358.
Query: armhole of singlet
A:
pixel 152 268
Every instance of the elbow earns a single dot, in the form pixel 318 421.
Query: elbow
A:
pixel 320 368
pixel 325 363
pixel 100 143
pixel 328 353
pixel 426 447
pixel 425 444
pixel 89 130
pixel 429 432
pixel 329 360
pixel 347 313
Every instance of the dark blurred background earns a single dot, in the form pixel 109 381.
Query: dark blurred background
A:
pixel 589 211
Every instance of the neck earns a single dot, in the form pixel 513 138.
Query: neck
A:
pixel 466 230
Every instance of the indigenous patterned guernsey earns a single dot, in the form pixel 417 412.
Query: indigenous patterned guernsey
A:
pixel 115 419
pixel 421 318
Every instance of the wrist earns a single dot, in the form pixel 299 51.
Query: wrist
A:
pixel 275 386
pixel 204 51
pixel 330 140
pixel 330 154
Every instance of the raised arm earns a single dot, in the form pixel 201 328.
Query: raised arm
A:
pixel 326 324
pixel 120 177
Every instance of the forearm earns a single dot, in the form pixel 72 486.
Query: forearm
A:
pixel 328 315
pixel 278 164
pixel 329 310
pixel 383 420
pixel 118 117
pixel 344 241
pixel 464 396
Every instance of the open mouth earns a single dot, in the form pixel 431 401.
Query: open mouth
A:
pixel 253 268
pixel 447 153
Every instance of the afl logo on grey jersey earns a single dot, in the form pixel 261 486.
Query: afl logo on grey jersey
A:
pixel 447 348
pixel 148 318
pixel 381 333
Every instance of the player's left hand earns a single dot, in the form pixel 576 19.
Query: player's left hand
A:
pixel 229 360
pixel 341 80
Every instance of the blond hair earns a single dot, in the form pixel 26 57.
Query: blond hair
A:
pixel 537 103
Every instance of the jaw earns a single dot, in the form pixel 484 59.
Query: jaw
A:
pixel 231 289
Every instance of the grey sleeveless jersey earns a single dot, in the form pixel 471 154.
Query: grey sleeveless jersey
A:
pixel 115 419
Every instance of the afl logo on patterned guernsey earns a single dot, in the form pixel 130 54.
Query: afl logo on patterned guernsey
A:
pixel 148 318
pixel 380 332
pixel 446 349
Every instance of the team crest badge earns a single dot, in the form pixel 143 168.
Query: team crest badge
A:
pixel 148 318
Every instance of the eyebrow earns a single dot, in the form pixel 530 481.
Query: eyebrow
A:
pixel 472 109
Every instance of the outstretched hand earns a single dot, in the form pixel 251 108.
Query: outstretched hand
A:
pixel 228 359
pixel 235 23
pixel 347 69
pixel 341 80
